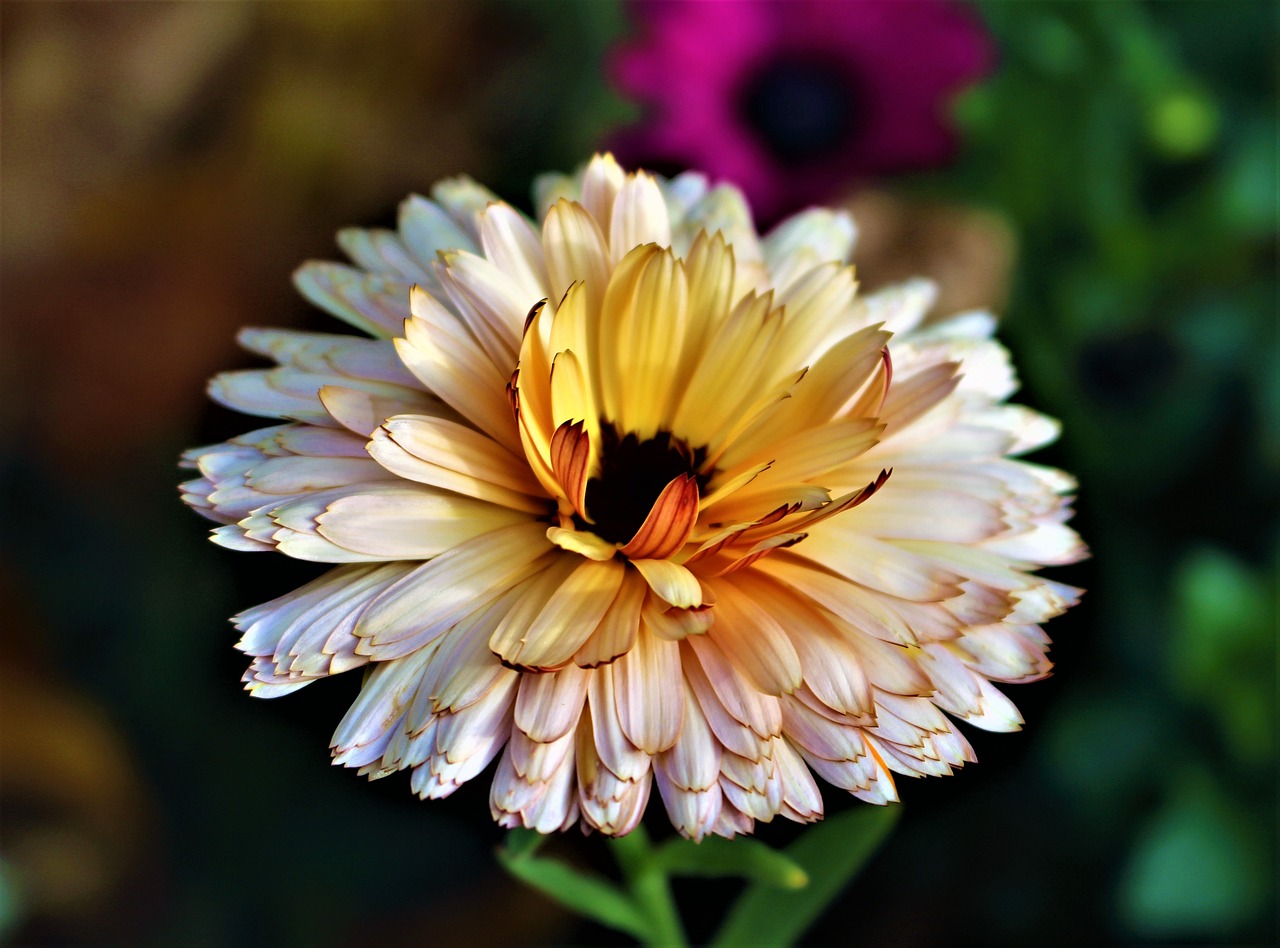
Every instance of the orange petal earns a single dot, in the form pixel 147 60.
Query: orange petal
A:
pixel 571 461
pixel 670 521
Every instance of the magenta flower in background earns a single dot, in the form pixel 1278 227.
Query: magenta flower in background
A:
pixel 791 99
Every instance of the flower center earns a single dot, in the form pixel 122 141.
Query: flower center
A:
pixel 802 110
pixel 632 475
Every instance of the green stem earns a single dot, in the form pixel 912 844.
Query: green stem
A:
pixel 650 888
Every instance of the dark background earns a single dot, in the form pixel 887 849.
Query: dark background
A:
pixel 166 165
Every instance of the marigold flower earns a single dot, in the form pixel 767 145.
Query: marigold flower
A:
pixel 635 497
pixel 793 99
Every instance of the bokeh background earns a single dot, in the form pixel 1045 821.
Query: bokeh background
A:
pixel 164 166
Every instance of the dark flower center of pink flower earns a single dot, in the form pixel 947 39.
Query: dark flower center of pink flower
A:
pixel 802 110
pixel 632 475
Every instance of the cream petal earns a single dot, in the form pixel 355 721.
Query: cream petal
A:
pixel 406 523
pixel 607 802
pixel 727 698
pixel 439 351
pixel 672 582
pixel 648 693
pixel 694 813
pixel 566 620
pixel 601 183
pixel 616 632
pixel 877 565
pixel 754 642
pixel 371 302
pixel 576 253
pixel 368 359
pixel 538 761
pixel 639 216
pixel 515 248
pixel 802 799
pixel 427 229
pixel 549 704
pixel 362 412
pixel 463 671
pixel 447 455
pixel 463 199
pixel 811 237
pixel 370 722
pixel 381 251
pixel 582 543
pixel 493 305
pixel 614 748
pixel 441 592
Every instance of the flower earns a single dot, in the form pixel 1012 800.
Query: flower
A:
pixel 790 99
pixel 614 505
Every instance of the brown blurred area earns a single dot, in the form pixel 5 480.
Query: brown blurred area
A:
pixel 163 169
pixel 166 165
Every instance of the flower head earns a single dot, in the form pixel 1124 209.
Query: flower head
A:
pixel 634 497
pixel 790 99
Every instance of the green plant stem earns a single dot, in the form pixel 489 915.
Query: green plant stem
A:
pixel 650 887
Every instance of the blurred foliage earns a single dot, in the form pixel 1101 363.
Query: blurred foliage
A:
pixel 165 167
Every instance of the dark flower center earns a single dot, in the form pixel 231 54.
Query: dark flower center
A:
pixel 632 475
pixel 802 110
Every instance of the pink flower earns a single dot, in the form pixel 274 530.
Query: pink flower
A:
pixel 790 99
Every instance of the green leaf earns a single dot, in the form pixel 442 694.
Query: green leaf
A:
pixel 522 843
pixel 716 856
pixel 585 894
pixel 831 853
pixel 1197 869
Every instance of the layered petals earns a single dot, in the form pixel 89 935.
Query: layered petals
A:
pixel 630 498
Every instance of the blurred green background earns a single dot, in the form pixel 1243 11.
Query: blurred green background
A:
pixel 166 165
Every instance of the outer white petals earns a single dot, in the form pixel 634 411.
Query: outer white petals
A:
pixel 464 670
pixel 724 210
pixel 751 638
pixel 427 229
pixel 492 305
pixel 381 251
pixel 290 393
pixel 372 302
pixel 639 217
pixel 545 806
pixel 966 695
pixel 438 349
pixel 444 454
pixel 614 748
pixel 464 742
pixel 549 704
pixel 409 523
pixel 438 594
pixel 648 692
pixel 576 250
pixel 688 774
pixel 567 615
pixel 373 360
pixel 515 248
pixel 915 514
pixel 805 240
pixel 875 564
pixel 901 308
pixel 733 707
pixel 601 183
pixel 372 720
pixel 308 634
pixel 463 199
pixel 608 802
pixel 801 798
pixel 1006 652
pixel 362 412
